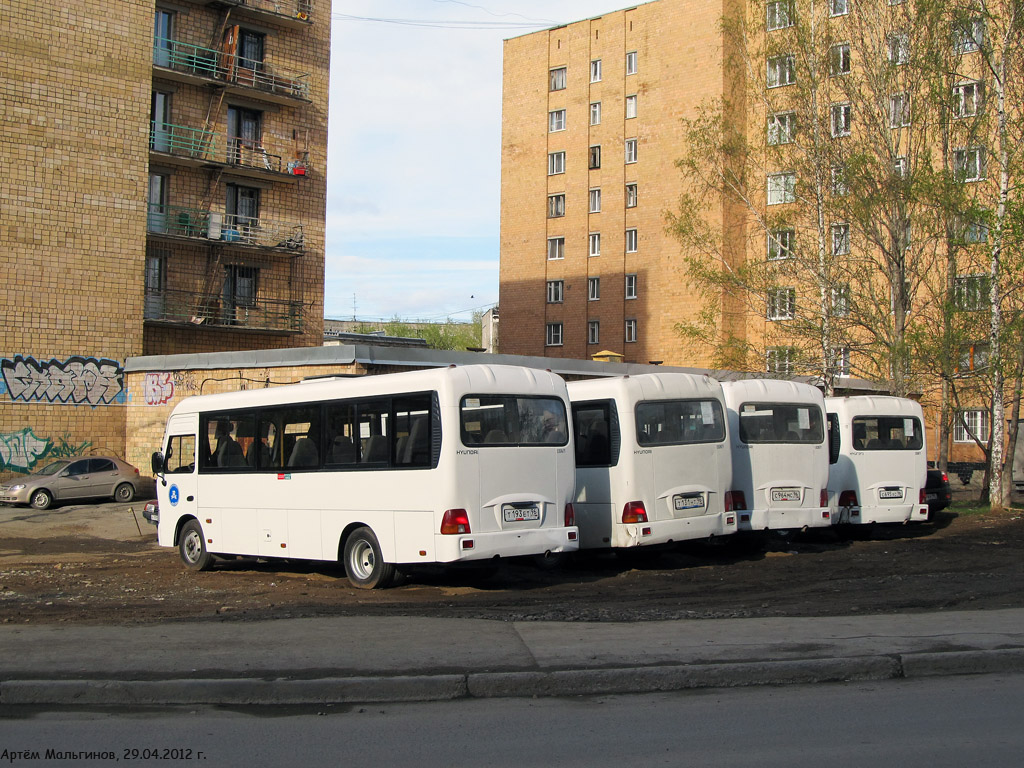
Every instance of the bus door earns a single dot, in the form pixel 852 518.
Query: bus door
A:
pixel 177 491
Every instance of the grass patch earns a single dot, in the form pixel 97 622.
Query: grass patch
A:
pixel 969 508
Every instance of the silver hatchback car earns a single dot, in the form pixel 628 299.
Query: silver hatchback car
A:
pixel 73 479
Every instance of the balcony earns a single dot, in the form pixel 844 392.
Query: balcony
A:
pixel 189 63
pixel 294 14
pixel 196 147
pixel 215 310
pixel 232 230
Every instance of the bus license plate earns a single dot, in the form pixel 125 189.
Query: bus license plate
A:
pixel 785 494
pixel 519 514
pixel 690 501
pixel 890 493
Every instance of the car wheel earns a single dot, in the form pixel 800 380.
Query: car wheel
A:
pixel 364 564
pixel 124 493
pixel 41 499
pixel 192 547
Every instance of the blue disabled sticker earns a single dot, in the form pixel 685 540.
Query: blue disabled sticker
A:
pixel 173 495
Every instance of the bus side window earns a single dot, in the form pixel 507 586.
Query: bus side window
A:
pixel 339 443
pixel 181 454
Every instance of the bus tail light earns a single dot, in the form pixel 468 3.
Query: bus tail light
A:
pixel 455 521
pixel 922 497
pixel 570 515
pixel 735 500
pixel 634 512
pixel 824 498
pixel 848 499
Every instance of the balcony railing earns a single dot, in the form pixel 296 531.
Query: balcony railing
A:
pixel 228 68
pixel 183 141
pixel 223 227
pixel 223 311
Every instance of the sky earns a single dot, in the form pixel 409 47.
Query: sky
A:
pixel 414 151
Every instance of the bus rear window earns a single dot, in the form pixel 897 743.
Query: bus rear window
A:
pixel 781 423
pixel 679 422
pixel 887 433
pixel 492 420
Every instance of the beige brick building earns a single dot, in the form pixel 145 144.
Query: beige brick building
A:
pixel 591 116
pixel 164 191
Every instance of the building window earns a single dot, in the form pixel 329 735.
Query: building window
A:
pixel 595 71
pixel 632 241
pixel 973 357
pixel 555 291
pixel 968 36
pixel 631 63
pixel 898 48
pixel 839 61
pixel 593 288
pixel 631 286
pixel 781 71
pixel 595 200
pixel 781 188
pixel 595 244
pixel 781 303
pixel 630 151
pixel 630 330
pixel 840 360
pixel 557 80
pixel 969 163
pixel 842 116
pixel 781 128
pixel 971 424
pixel 157 216
pixel 242 210
pixel 838 7
pixel 163 37
pixel 595 157
pixel 630 107
pixel 155 283
pixel 970 292
pixel 839 188
pixel 553 335
pixel 780 14
pixel 245 137
pixel 972 231
pixel 250 49
pixel 595 113
pixel 593 332
pixel 556 248
pixel 240 285
pixel 899 110
pixel 779 360
pixel 556 120
pixel 631 195
pixel 780 244
pixel 556 163
pixel 899 166
pixel 556 206
pixel 840 239
pixel 967 99
pixel 841 300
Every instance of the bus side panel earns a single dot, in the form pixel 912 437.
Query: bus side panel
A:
pixel 593 506
pixel 414 536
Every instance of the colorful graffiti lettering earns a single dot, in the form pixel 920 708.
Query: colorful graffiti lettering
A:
pixel 63 449
pixel 21 451
pixel 76 381
pixel 159 388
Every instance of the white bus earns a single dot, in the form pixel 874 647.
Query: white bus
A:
pixel 435 466
pixel 652 460
pixel 880 466
pixel 779 454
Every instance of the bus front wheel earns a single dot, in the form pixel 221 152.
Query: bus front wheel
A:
pixel 192 547
pixel 364 564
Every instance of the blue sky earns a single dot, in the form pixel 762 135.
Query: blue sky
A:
pixel 414 151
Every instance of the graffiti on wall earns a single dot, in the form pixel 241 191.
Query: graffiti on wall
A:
pixel 76 381
pixel 159 388
pixel 21 451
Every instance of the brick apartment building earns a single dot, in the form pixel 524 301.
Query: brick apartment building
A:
pixel 164 192
pixel 591 133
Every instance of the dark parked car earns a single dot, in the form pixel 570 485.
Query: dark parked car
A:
pixel 936 491
pixel 73 479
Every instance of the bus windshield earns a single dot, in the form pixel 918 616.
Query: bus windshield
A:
pixel 677 422
pixel 887 433
pixel 492 420
pixel 781 423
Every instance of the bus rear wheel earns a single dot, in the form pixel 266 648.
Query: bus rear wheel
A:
pixel 364 564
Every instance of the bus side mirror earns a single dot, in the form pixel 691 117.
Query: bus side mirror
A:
pixel 158 463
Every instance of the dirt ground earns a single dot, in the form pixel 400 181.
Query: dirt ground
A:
pixel 101 564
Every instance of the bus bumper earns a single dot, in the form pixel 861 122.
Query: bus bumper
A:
pixel 680 529
pixel 782 519
pixel 484 546
pixel 898 513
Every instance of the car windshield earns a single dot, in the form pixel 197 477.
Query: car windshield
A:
pixel 52 469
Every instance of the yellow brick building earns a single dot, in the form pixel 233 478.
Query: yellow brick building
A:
pixel 164 191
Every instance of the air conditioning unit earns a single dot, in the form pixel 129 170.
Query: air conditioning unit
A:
pixel 216 224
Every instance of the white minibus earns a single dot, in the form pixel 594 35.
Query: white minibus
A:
pixel 434 466
pixel 779 454
pixel 652 460
pixel 880 465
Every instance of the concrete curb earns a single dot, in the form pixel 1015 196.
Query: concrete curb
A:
pixel 532 684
